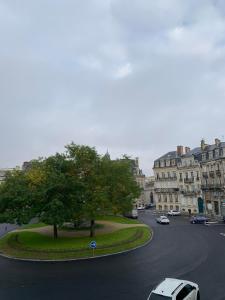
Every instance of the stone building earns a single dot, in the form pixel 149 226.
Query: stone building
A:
pixel 3 173
pixel 166 181
pixel 212 160
pixel 189 181
pixel 149 190
pixel 192 181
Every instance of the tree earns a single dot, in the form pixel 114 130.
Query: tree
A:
pixel 107 185
pixel 60 192
pixel 16 199
pixel 88 169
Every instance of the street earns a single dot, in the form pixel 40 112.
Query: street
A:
pixel 179 250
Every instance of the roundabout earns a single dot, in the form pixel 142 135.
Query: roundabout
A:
pixel 113 235
pixel 179 250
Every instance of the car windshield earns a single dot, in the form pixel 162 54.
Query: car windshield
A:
pixel 159 297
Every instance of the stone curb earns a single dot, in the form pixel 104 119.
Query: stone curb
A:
pixel 77 259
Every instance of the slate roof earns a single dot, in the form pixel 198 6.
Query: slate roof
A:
pixel 169 155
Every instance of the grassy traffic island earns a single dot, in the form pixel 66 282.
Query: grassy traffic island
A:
pixel 113 234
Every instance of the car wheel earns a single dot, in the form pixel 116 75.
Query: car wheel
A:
pixel 198 296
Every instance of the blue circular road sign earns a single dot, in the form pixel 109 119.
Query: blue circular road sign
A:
pixel 93 244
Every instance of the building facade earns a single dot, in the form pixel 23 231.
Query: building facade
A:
pixel 192 181
pixel 166 181
pixel 212 177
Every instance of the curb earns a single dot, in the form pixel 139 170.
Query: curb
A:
pixel 78 259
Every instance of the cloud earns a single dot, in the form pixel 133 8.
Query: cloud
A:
pixel 134 77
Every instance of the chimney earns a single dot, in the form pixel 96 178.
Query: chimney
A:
pixel 217 142
pixel 203 144
pixel 187 149
pixel 180 150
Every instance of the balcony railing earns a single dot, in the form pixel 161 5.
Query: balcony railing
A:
pixel 166 190
pixel 189 180
pixel 166 178
pixel 190 193
pixel 210 186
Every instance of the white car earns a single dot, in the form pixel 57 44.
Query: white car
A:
pixel 141 207
pixel 173 213
pixel 163 220
pixel 175 289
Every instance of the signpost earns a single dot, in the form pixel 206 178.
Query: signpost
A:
pixel 93 246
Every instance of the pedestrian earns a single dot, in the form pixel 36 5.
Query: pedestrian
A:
pixel 6 228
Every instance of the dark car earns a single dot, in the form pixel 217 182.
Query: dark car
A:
pixel 198 220
pixel 149 206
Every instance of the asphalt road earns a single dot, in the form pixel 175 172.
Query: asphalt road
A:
pixel 179 250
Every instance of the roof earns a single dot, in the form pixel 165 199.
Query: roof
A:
pixel 168 286
pixel 169 155
pixel 214 146
pixel 194 151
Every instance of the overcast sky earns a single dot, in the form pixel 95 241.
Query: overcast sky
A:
pixel 137 77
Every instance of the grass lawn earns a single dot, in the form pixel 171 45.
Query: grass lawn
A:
pixel 34 225
pixel 118 219
pixel 27 244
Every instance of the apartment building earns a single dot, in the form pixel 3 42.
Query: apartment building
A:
pixel 189 181
pixel 166 181
pixel 192 181
pixel 213 177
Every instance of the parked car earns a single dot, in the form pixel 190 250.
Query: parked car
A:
pixel 174 289
pixel 163 220
pixel 198 219
pixel 149 206
pixel 141 207
pixel 173 213
pixel 133 214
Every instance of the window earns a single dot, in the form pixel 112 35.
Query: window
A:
pixel 165 207
pixel 159 198
pixel 184 292
pixel 171 199
pixel 171 207
pixel 177 207
pixel 160 207
pixel 165 198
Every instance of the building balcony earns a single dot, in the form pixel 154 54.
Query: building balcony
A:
pixel 189 180
pixel 190 193
pixel 218 173
pixel 166 179
pixel 166 190
pixel 210 186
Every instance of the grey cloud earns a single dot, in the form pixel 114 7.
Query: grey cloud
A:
pixel 59 76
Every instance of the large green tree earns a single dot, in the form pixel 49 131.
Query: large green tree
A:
pixel 79 183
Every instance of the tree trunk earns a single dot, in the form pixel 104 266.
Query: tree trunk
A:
pixel 92 228
pixel 55 231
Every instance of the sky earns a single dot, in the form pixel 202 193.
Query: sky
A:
pixel 132 77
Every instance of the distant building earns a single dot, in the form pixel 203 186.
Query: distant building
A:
pixel 166 182
pixel 212 161
pixel 3 173
pixel 192 181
